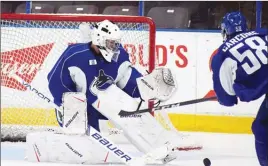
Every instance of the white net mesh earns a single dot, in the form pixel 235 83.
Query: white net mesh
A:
pixel 31 45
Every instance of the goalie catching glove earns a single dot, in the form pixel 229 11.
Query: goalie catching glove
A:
pixel 160 84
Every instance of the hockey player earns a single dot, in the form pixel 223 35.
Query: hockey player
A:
pixel 240 70
pixel 80 64
pixel 99 74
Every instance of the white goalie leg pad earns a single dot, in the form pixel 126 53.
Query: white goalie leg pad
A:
pixel 144 132
pixel 74 113
pixel 72 149
pixel 109 103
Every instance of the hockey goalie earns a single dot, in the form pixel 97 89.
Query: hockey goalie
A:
pixel 93 81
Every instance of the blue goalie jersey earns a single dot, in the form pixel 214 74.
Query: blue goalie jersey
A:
pixel 240 68
pixel 80 69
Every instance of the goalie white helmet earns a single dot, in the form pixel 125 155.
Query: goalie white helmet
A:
pixel 107 37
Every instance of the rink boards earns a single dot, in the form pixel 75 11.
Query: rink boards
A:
pixel 183 122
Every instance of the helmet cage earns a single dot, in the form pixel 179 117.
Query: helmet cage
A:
pixel 107 40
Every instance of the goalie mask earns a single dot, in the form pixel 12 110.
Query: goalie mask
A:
pixel 107 37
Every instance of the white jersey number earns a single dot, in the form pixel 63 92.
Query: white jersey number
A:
pixel 257 54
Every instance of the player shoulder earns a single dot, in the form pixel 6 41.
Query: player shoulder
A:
pixel 77 49
pixel 123 56
pixel 237 39
pixel 218 58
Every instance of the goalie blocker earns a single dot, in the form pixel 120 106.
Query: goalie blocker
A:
pixel 145 133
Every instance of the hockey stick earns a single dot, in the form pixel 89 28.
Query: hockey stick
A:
pixel 173 105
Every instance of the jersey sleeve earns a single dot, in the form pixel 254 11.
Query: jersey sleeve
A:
pixel 131 86
pixel 223 79
pixel 127 76
pixel 59 79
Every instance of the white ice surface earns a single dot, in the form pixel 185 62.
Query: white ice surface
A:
pixel 221 149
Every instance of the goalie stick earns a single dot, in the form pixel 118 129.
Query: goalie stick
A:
pixel 158 108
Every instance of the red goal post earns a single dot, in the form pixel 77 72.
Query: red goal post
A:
pixel 31 45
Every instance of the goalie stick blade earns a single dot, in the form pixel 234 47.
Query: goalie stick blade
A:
pixel 128 113
pixel 189 148
pixel 125 113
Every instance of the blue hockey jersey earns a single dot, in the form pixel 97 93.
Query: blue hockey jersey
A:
pixel 240 68
pixel 79 69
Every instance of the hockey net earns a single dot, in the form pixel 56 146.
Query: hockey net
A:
pixel 30 46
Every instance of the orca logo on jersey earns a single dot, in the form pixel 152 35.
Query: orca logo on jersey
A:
pixel 100 83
